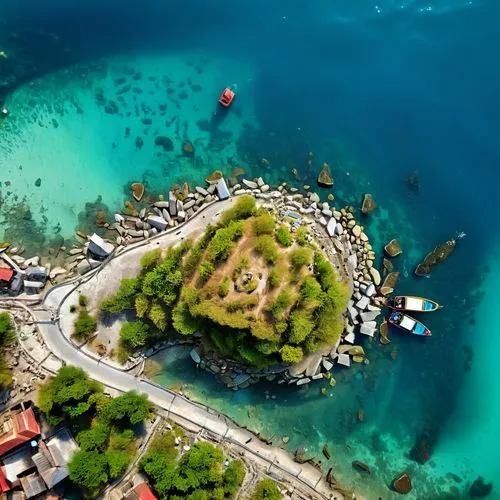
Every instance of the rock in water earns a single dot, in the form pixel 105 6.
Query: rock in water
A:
pixel 432 259
pixel 393 248
pixel 480 489
pixel 369 204
pixel 38 182
pixel 325 178
pixel 413 182
pixel 326 452
pixel 402 484
pixel 137 190
pixel 214 177
pixel 361 466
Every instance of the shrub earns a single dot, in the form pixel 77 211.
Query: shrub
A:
pixel 274 278
pixel 182 320
pixel 262 331
pixel 284 236
pixel 7 332
pixel 265 246
pixel 242 303
pixel 206 269
pixel 134 334
pixel 291 354
pixel 72 308
pixel 263 224
pixel 158 316
pixel 150 259
pixel 267 347
pixel 282 302
pixel 300 257
pixel 251 286
pixel 219 315
pixel 223 242
pixel 141 305
pixel 242 264
pixel 82 300
pixel 85 325
pixel 324 271
pixel 243 208
pixel 310 289
pixel 223 289
pixel 233 478
pixel 266 489
pixel 300 236
pixel 124 298
pixel 301 325
pixel 163 282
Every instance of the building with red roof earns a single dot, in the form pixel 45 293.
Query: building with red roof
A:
pixel 19 429
pixel 141 492
pixel 6 276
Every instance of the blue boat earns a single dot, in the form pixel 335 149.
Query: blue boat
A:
pixel 410 303
pixel 409 324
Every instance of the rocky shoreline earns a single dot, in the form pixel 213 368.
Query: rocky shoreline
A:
pixel 336 230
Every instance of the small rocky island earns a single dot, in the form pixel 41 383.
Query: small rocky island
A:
pixel 269 291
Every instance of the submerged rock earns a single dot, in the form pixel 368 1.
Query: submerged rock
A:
pixel 393 248
pixel 390 280
pixel 187 148
pixel 38 182
pixel 480 489
pixel 325 178
pixel 413 182
pixel 214 177
pixel 361 466
pixel 402 483
pixel 432 259
pixel 137 190
pixel 326 452
pixel 164 142
pixel 369 204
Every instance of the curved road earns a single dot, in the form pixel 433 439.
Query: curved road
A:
pixel 181 410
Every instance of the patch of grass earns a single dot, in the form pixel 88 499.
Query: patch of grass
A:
pixel 284 236
pixel 82 300
pixel 85 325
pixel 265 246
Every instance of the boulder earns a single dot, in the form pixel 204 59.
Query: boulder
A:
pixel 362 303
pixel 368 328
pixel 325 178
pixel 375 276
pixel 369 204
pixel 250 184
pixel 327 365
pixel 390 280
pixel 402 483
pixel 100 248
pixel 370 290
pixel 137 190
pixel 356 230
pixel 260 182
pixel 432 259
pixel 303 381
pixel 393 248
pixel 56 272
pixel 161 204
pixel 361 466
pixel 265 188
pixel 202 191
pixel 172 204
pixel 314 198
pixel 158 222
pixel 367 316
pixel 119 218
pixel 480 489
pixel 330 227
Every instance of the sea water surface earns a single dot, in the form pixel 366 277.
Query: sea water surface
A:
pixel 379 90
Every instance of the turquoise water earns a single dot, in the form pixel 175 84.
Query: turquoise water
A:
pixel 378 90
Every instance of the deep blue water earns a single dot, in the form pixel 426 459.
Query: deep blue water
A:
pixel 378 88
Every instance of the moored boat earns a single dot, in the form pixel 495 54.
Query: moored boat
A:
pixel 408 324
pixel 227 97
pixel 411 303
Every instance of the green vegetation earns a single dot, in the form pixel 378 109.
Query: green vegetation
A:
pixel 104 427
pixel 150 259
pixel 263 224
pixel 300 257
pixel 265 246
pixel 198 475
pixel 82 300
pixel 300 236
pixel 189 290
pixel 85 325
pixel 266 489
pixel 7 337
pixel 284 236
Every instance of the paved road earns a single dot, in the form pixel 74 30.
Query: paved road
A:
pixel 182 410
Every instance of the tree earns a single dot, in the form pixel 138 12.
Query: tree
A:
pixel 150 259
pixel 89 470
pixel 163 282
pixel 141 305
pixel 134 334
pixel 182 320
pixel 129 408
pixel 124 298
pixel 291 354
pixel 265 246
pixel 284 236
pixel 266 489
pixel 301 326
pixel 85 325
pixel 206 269
pixel 94 438
pixel 223 288
pixel 301 236
pixel 223 242
pixel 243 208
pixel 158 315
pixel 263 224
pixel 233 477
pixel 7 336
pixel 67 395
pixel 300 257
pixel 274 278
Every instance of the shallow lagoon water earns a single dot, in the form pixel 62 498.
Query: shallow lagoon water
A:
pixel 378 92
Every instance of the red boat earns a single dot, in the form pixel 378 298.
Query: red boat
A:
pixel 227 97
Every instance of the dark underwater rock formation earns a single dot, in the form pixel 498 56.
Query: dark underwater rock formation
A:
pixel 480 489
pixel 432 259
pixel 413 182
pixel 165 143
